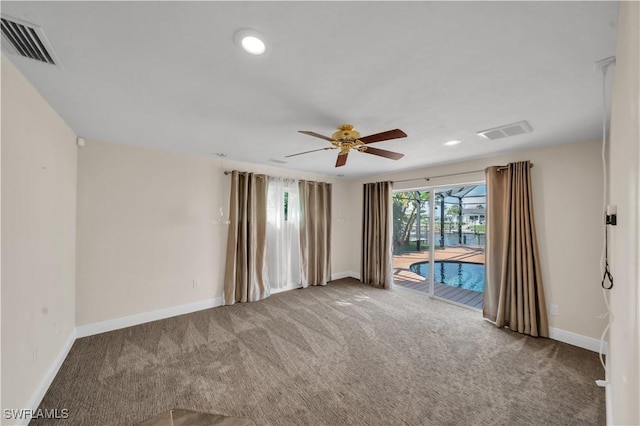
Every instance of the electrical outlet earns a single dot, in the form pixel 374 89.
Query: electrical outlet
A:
pixel 554 310
pixel 35 354
pixel 196 283
pixel 55 328
pixel 611 216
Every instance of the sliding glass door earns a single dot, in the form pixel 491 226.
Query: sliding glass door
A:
pixel 439 240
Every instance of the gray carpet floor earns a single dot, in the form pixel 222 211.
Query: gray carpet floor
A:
pixel 346 353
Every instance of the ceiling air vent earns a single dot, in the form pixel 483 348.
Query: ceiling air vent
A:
pixel 507 130
pixel 28 40
pixel 273 160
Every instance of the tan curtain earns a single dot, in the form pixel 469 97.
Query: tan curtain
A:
pixel 315 232
pixel 377 262
pixel 514 295
pixel 245 277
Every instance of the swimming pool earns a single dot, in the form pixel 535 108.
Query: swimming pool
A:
pixel 456 274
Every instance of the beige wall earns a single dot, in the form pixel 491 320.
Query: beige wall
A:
pixel 344 221
pixel 567 188
pixel 145 231
pixel 38 238
pixel 624 166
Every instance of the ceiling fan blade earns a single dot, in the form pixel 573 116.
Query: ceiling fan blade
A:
pixel 342 160
pixel 317 135
pixel 384 136
pixel 383 153
pixel 313 150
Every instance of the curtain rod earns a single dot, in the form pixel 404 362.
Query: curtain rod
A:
pixel 500 168
pixel 260 175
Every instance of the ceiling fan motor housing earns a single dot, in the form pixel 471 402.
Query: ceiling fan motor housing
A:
pixel 346 133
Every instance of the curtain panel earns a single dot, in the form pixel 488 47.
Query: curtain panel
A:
pixel 514 294
pixel 283 233
pixel 315 232
pixel 376 267
pixel 245 278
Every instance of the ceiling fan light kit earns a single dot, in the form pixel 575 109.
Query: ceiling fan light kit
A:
pixel 347 139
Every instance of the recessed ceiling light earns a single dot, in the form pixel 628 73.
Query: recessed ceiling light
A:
pixel 221 154
pixel 253 45
pixel 453 142
pixel 251 41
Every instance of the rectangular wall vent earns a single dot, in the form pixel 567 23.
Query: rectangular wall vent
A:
pixel 507 130
pixel 27 40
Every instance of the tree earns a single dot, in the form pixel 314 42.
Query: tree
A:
pixel 405 211
pixel 399 218
pixel 453 210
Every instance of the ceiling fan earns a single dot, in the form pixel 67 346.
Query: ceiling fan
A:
pixel 346 139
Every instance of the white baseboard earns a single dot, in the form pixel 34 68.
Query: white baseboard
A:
pixel 128 321
pixel 579 340
pixel 345 274
pixel 43 387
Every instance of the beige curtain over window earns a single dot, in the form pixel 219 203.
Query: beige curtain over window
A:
pixel 514 295
pixel 377 258
pixel 245 278
pixel 315 232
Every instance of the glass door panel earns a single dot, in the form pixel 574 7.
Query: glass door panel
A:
pixel 459 248
pixel 411 238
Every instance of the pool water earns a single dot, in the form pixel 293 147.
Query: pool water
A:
pixel 469 276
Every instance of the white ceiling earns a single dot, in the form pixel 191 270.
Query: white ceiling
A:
pixel 168 75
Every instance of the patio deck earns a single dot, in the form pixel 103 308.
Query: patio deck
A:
pixel 404 277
